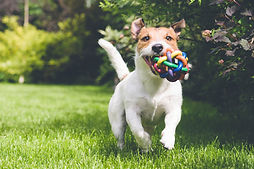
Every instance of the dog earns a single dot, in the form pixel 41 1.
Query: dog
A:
pixel 141 98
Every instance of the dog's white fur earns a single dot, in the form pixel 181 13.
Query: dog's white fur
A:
pixel 141 98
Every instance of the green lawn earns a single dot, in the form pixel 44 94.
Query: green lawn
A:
pixel 57 126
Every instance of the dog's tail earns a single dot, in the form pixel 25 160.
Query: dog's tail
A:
pixel 115 58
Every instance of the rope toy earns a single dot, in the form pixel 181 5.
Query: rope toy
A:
pixel 172 65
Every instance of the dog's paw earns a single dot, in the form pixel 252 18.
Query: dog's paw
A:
pixel 168 143
pixel 167 140
pixel 120 145
pixel 144 141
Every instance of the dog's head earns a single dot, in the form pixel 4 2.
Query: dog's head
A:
pixel 155 41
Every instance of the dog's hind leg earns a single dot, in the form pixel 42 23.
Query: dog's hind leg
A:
pixel 117 119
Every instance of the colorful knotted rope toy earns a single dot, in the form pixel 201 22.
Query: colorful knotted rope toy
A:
pixel 165 66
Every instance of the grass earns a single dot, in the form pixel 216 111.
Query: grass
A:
pixel 55 126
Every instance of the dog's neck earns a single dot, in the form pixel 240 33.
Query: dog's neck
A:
pixel 152 84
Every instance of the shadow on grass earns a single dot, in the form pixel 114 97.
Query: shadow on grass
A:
pixel 201 124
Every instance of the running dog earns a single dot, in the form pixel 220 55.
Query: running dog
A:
pixel 141 97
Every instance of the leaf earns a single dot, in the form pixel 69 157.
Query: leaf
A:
pixel 230 53
pixel 215 2
pixel 226 71
pixel 233 65
pixel 247 12
pixel 245 44
pixel 208 39
pixel 220 23
pixel 192 1
pixel 214 50
pixel 102 32
pixel 222 39
pixel 231 10
pixel 218 34
pixel 235 43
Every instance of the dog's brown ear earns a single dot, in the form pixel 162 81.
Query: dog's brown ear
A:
pixel 178 26
pixel 136 26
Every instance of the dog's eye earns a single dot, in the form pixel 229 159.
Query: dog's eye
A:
pixel 146 38
pixel 169 38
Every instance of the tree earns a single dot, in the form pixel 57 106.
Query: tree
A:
pixel 26 13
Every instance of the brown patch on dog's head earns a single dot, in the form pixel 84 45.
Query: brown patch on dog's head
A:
pixel 145 36
pixel 149 35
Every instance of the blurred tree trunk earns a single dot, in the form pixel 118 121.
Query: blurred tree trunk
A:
pixel 66 8
pixel 21 79
pixel 88 3
pixel 26 13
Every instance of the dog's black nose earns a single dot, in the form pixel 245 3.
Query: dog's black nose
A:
pixel 157 48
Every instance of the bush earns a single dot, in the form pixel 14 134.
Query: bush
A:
pixel 66 56
pixel 24 49
pixel 222 70
pixel 233 37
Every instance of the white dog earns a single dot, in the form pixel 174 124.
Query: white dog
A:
pixel 141 98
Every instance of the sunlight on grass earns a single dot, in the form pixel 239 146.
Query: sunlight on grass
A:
pixel 50 126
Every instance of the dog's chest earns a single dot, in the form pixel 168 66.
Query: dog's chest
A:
pixel 151 108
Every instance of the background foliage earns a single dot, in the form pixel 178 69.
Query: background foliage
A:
pixel 65 34
pixel 23 50
pixel 222 59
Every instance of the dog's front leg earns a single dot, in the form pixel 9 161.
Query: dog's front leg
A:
pixel 172 119
pixel 134 121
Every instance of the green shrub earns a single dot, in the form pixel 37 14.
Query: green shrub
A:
pixel 232 37
pixel 23 49
pixel 223 68
pixel 66 56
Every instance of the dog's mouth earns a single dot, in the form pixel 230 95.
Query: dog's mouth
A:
pixel 150 62
pixel 172 65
